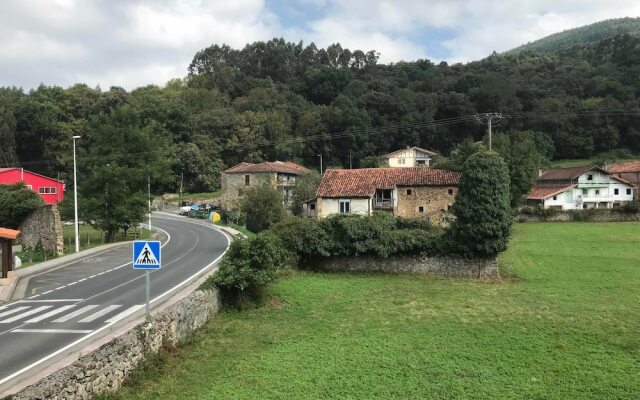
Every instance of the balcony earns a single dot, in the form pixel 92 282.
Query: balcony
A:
pixel 383 203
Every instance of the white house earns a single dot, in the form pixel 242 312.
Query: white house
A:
pixel 409 157
pixel 580 188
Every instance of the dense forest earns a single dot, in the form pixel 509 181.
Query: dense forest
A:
pixel 591 33
pixel 280 100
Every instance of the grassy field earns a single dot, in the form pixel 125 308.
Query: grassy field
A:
pixel 194 196
pixel 562 324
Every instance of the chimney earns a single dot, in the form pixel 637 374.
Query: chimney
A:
pixel 539 173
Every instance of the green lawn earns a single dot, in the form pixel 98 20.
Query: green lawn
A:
pixel 563 324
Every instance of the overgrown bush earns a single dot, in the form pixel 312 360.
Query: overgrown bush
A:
pixel 16 203
pixel 538 211
pixel 248 266
pixel 263 207
pixel 632 207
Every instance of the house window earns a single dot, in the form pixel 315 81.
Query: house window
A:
pixel 401 161
pixel 450 191
pixel 29 187
pixel 47 190
pixel 585 192
pixel 408 192
pixel 628 191
pixel 312 206
pixel 345 206
pixel 555 197
pixel 590 177
pixel 247 180
pixel 616 191
pixel 421 209
pixel 597 192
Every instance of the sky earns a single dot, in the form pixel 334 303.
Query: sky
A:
pixel 132 43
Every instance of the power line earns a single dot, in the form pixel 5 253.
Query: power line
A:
pixel 489 118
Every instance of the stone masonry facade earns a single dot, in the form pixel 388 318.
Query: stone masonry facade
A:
pixel 233 185
pixel 437 265
pixel 106 368
pixel 43 227
pixel 431 202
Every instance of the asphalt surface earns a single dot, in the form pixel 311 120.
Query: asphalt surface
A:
pixel 67 304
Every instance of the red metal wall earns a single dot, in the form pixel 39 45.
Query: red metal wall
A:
pixel 36 182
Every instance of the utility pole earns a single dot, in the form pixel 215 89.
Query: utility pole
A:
pixel 320 155
pixel 489 118
pixel 75 195
pixel 181 180
pixel 350 163
pixel 149 192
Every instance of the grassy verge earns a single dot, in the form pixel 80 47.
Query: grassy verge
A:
pixel 89 237
pixel 563 325
pixel 240 228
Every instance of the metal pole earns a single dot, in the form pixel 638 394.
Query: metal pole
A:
pixel 149 191
pixel 148 284
pixel 320 155
pixel 489 132
pixel 75 195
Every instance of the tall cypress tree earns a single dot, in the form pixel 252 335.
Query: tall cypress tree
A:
pixel 482 210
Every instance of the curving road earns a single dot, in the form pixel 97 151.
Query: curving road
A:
pixel 73 304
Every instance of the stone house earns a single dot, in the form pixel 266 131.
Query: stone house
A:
pixel 409 157
pixel 413 192
pixel 579 188
pixel 280 175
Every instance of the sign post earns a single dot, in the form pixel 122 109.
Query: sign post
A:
pixel 147 256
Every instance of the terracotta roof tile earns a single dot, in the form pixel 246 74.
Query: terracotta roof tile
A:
pixel 364 182
pixel 286 167
pixel 544 192
pixel 629 166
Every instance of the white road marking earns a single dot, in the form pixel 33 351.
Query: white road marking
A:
pixel 125 313
pixel 107 326
pixel 50 314
pixel 13 310
pixel 25 315
pixel 52 330
pixel 100 313
pixel 48 291
pixel 77 312
pixel 49 301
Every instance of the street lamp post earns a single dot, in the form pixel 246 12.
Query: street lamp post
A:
pixel 75 195
pixel 320 155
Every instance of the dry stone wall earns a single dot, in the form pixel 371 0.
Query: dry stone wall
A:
pixel 106 368
pixel 591 215
pixel 43 227
pixel 438 265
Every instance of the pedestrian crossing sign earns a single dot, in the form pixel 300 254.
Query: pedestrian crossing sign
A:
pixel 146 254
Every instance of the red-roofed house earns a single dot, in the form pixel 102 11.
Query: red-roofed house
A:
pixel 280 174
pixel 629 171
pixel 51 190
pixel 578 188
pixel 413 192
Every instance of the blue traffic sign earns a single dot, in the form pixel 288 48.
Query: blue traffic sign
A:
pixel 146 254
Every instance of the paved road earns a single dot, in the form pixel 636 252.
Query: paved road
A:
pixel 73 303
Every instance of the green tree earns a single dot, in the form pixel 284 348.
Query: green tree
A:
pixel 483 215
pixel 306 187
pixel 263 205
pixel 16 203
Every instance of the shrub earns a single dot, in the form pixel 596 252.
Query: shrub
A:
pixel 249 265
pixel 263 207
pixel 16 203
pixel 538 211
pixel 304 237
pixel 482 207
pixel 632 207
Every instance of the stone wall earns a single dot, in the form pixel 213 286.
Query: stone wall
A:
pixel 434 200
pixel 106 368
pixel 43 227
pixel 591 215
pixel 232 186
pixel 438 265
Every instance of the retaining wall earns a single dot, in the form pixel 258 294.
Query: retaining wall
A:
pixel 438 265
pixel 592 215
pixel 106 368
pixel 43 227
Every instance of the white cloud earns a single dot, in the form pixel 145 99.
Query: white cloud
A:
pixel 136 42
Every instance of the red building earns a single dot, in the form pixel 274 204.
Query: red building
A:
pixel 51 190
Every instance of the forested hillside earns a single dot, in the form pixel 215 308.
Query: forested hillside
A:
pixel 591 33
pixel 278 100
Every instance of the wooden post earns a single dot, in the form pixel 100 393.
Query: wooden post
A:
pixel 5 262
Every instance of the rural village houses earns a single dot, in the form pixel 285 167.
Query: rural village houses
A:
pixel 629 171
pixel 580 188
pixel 409 157
pixel 413 192
pixel 280 174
